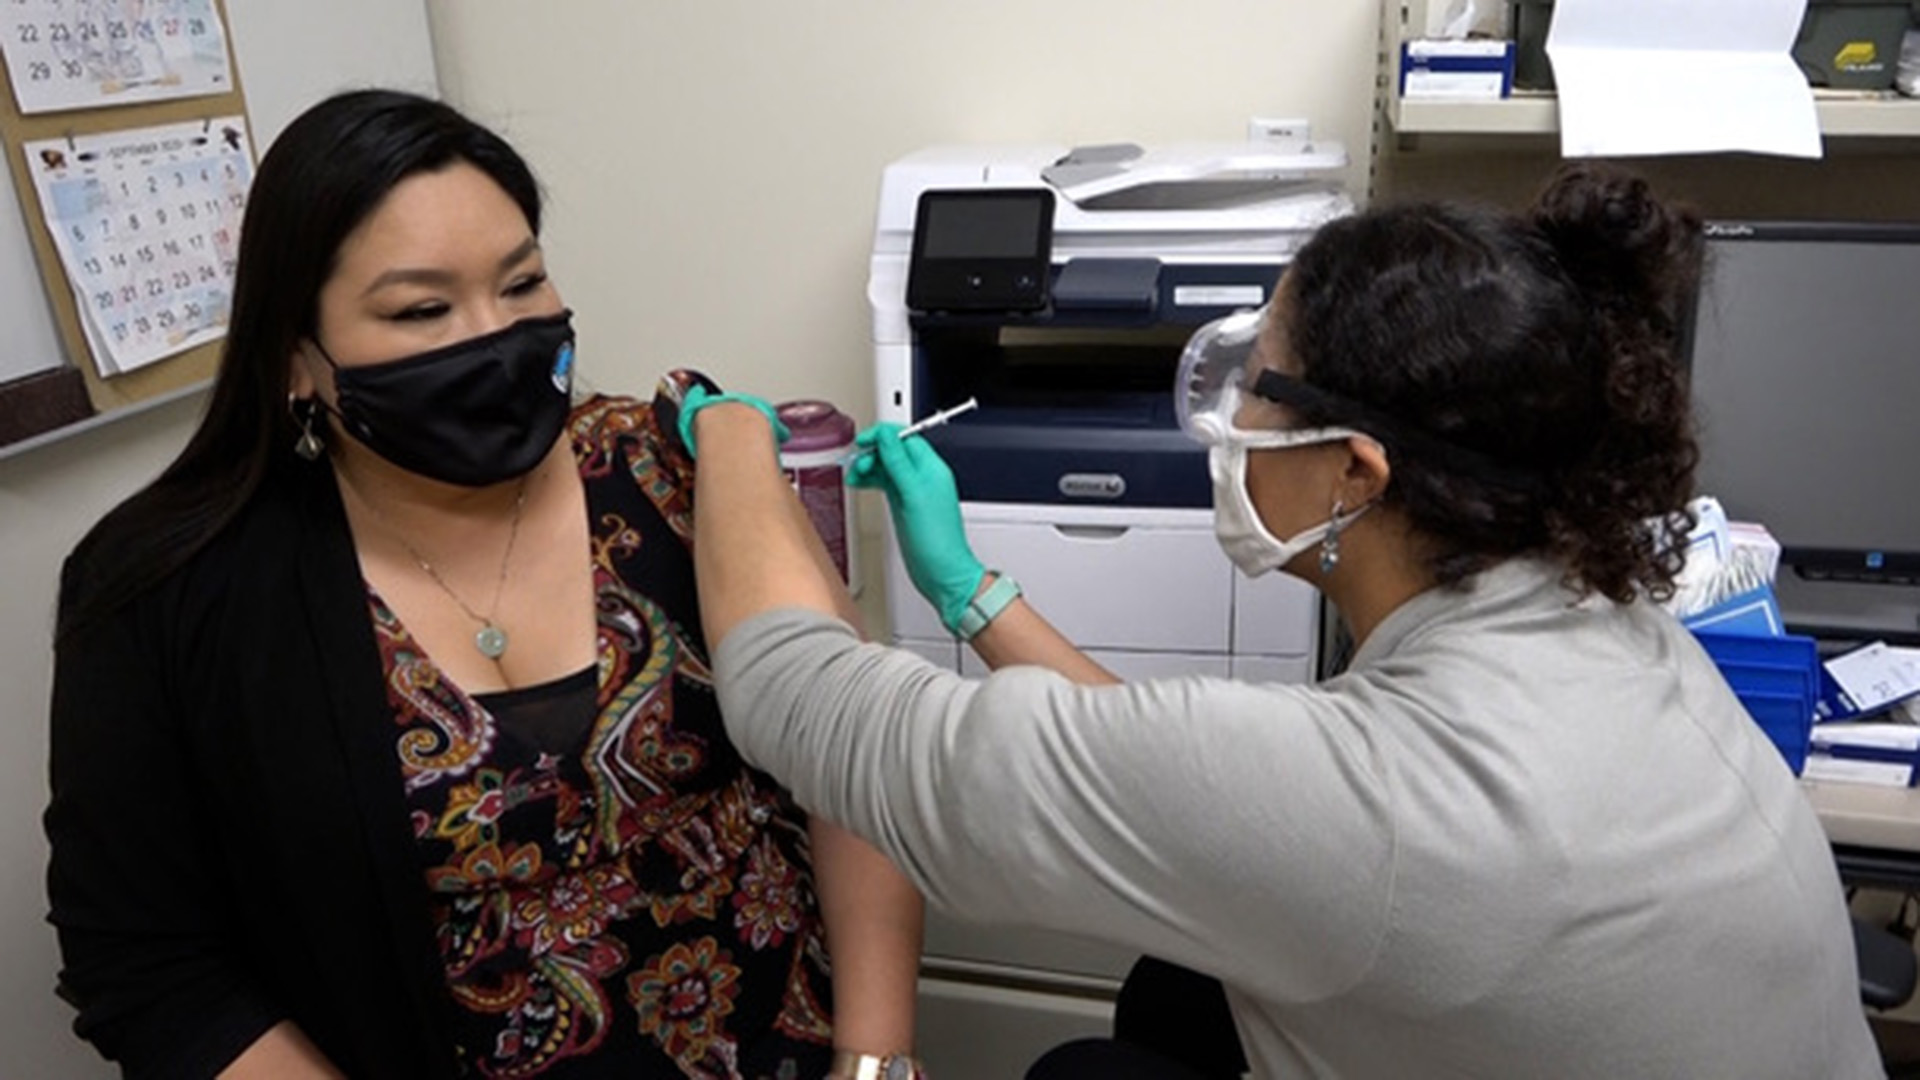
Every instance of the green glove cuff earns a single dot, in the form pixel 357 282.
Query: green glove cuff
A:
pixel 698 398
pixel 985 607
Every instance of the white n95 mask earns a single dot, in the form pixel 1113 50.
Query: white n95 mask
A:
pixel 1237 525
pixel 1206 398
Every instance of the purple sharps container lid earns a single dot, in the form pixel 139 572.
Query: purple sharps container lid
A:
pixel 816 425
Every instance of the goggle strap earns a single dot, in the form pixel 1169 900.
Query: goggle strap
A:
pixel 1286 390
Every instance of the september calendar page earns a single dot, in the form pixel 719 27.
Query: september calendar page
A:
pixel 79 54
pixel 147 224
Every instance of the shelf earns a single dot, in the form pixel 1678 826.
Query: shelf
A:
pixel 1842 113
pixel 1859 114
pixel 1525 113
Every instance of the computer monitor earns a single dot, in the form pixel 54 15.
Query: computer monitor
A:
pixel 1805 358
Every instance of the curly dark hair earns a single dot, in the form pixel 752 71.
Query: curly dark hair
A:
pixel 1546 345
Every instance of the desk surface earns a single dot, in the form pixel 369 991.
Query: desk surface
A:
pixel 1867 815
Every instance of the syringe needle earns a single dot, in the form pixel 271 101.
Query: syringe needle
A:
pixel 940 417
pixel 918 426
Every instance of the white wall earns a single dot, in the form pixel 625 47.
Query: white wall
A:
pixel 711 164
pixel 48 498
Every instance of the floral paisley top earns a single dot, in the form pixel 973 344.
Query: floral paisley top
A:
pixel 627 898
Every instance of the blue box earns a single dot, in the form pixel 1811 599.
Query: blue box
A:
pixel 1747 677
pixel 1471 69
pixel 1777 679
pixel 1790 651
pixel 1754 612
pixel 1788 721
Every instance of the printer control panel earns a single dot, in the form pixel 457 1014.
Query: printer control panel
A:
pixel 981 249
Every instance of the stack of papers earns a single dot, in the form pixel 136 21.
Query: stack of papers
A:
pixel 1873 695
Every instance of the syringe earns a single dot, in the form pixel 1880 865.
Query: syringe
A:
pixel 940 417
pixel 933 420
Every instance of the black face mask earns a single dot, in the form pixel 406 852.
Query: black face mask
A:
pixel 474 413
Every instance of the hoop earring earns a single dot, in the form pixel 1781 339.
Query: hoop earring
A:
pixel 1330 545
pixel 308 445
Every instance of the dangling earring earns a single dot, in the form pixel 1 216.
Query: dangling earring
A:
pixel 1330 545
pixel 308 446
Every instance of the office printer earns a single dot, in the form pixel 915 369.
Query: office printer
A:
pixel 1058 286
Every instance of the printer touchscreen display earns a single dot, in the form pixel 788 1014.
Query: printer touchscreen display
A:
pixel 973 227
pixel 981 250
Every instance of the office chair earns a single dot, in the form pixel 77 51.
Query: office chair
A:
pixel 1169 1023
pixel 1887 966
pixel 1887 975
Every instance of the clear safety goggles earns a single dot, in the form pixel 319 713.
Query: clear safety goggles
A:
pixel 1216 402
pixel 1211 389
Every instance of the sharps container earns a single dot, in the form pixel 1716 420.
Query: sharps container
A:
pixel 814 460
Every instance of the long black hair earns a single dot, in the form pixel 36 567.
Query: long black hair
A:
pixel 1546 345
pixel 320 179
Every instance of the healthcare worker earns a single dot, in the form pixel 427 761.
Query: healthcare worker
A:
pixel 1528 832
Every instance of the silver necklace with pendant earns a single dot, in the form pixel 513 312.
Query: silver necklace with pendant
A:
pixel 491 639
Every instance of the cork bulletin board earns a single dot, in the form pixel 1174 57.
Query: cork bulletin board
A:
pixel 145 189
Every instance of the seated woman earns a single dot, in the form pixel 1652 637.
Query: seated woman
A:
pixel 1529 832
pixel 384 738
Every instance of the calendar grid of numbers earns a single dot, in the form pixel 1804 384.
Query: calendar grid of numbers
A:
pixel 147 225
pixel 78 54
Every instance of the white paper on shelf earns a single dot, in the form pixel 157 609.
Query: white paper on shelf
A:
pixel 1658 77
pixel 1867 735
pixel 1459 19
pixel 1877 674
pixel 1843 770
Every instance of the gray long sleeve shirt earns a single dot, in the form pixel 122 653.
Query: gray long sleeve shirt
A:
pixel 1521 836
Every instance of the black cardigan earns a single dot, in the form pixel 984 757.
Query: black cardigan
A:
pixel 231 845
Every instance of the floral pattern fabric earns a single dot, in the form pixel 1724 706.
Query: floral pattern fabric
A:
pixel 643 904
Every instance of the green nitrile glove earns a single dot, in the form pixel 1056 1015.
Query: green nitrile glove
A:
pixel 698 398
pixel 925 505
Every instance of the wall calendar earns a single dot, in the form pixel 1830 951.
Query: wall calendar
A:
pixel 147 225
pixel 78 54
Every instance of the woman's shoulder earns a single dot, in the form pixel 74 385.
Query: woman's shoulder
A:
pixel 600 423
pixel 160 548
pixel 608 428
pixel 613 428
pixel 603 417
